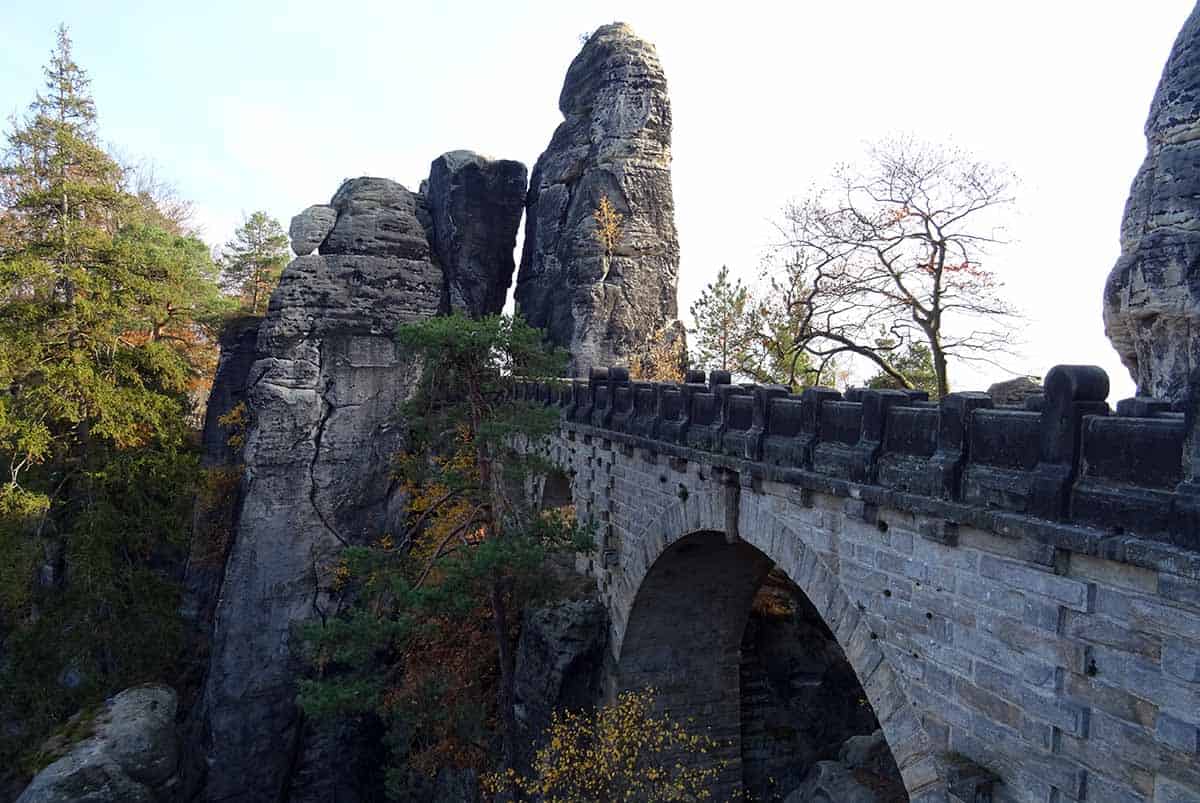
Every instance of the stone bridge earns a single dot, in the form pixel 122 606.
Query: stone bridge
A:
pixel 1017 589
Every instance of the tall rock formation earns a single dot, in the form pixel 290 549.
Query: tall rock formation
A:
pixel 603 303
pixel 319 384
pixel 322 395
pixel 475 204
pixel 1152 299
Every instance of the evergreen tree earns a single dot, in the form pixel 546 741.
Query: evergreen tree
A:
pixel 916 365
pixel 253 260
pixel 103 316
pixel 448 591
pixel 725 336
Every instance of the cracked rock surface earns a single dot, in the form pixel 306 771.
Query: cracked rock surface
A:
pixel 323 393
pixel 1152 299
pixel 614 142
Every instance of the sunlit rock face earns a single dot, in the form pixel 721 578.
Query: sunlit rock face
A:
pixel 603 303
pixel 1152 299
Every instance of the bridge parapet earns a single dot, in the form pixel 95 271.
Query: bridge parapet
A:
pixel 1064 458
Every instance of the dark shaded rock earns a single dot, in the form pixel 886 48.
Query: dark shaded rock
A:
pixel 1013 392
pixel 1152 299
pixel 602 304
pixel 476 205
pixel 323 397
pixel 340 761
pixel 453 785
pixel 863 773
pixel 800 698
pixel 131 755
pixel 310 228
pixel 559 661
pixel 216 507
pixel 238 343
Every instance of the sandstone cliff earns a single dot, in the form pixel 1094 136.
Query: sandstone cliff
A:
pixel 321 382
pixel 615 142
pixel 475 205
pixel 1152 299
pixel 323 396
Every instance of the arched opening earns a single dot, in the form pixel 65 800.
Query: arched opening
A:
pixel 727 639
pixel 556 492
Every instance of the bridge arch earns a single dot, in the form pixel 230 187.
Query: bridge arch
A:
pixel 681 605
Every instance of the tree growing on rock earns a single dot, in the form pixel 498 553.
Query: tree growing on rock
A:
pixel 608 225
pixel 253 260
pixel 899 245
pixel 664 357
pixel 449 589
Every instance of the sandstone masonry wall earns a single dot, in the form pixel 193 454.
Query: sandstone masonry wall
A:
pixel 1062 658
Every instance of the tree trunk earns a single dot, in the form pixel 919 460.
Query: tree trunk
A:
pixel 504 648
pixel 939 367
pixel 508 712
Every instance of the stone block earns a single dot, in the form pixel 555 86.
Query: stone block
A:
pixel 1096 629
pixel 1067 716
pixel 1177 734
pixel 1071 593
pixel 1113 701
pixel 1181 659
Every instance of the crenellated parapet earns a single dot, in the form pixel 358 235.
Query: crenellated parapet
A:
pixel 1065 457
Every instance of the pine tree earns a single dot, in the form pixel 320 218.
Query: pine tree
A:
pixel 253 260
pixel 448 591
pixel 916 365
pixel 103 315
pixel 726 328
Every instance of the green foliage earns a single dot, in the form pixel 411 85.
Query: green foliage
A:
pixel 755 336
pixel 106 311
pixel 253 260
pixel 725 336
pixel 423 639
pixel 916 365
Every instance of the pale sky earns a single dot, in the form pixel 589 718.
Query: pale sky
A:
pixel 270 105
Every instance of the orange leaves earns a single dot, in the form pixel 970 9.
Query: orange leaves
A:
pixel 457 661
pixel 444 510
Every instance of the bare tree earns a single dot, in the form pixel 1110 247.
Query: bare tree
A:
pixel 893 254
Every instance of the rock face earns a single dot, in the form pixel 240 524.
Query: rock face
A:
pixel 322 395
pixel 1013 392
pixel 131 755
pixel 213 518
pixel 476 205
pixel 863 773
pixel 1152 299
pixel 800 698
pixel 559 660
pixel 602 303
pixel 310 228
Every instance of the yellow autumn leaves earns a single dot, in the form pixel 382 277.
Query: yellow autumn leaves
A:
pixel 621 753
pixel 608 225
